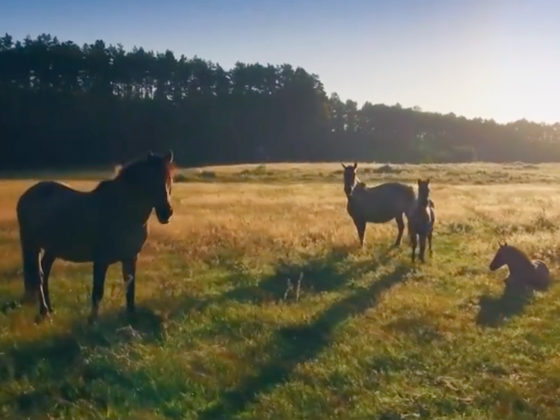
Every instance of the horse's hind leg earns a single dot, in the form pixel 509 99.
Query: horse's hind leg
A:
pixel 33 279
pixel 400 226
pixel 46 264
pixel 129 277
pixel 99 271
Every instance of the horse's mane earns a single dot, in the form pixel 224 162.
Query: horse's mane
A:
pixel 129 171
pixel 518 253
pixel 360 185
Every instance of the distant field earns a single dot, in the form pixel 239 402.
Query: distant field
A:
pixel 456 173
pixel 459 173
pixel 219 335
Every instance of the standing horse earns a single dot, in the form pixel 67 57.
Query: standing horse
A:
pixel 377 204
pixel 522 271
pixel 106 225
pixel 421 220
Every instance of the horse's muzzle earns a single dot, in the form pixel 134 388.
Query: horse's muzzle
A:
pixel 164 214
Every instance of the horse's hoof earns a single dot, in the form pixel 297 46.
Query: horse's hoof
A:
pixel 39 318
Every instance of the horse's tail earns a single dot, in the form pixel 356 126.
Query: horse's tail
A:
pixel 432 206
pixel 541 280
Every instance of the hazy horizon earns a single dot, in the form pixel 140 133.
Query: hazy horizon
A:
pixel 492 59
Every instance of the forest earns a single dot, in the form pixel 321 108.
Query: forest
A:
pixel 65 105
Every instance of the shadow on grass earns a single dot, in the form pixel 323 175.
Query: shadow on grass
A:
pixel 51 361
pixel 494 311
pixel 61 369
pixel 316 275
pixel 294 345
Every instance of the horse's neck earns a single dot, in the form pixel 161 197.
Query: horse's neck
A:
pixel 124 202
pixel 358 185
pixel 517 262
pixel 423 200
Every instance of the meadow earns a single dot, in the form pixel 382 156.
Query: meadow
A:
pixel 256 302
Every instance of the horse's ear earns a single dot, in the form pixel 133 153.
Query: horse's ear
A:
pixel 343 165
pixel 427 180
pixel 169 156
pixel 419 181
pixel 355 165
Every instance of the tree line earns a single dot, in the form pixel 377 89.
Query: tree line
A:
pixel 64 105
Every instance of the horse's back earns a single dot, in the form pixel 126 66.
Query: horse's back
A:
pixel 391 189
pixel 46 196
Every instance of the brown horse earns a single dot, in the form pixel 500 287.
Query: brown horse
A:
pixel 421 220
pixel 378 204
pixel 106 225
pixel 523 272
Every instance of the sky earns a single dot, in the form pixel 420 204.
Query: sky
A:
pixel 478 58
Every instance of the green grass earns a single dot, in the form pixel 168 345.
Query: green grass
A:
pixel 220 334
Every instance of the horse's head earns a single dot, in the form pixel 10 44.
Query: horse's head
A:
pixel 423 189
pixel 349 177
pixel 500 257
pixel 152 177
pixel 162 181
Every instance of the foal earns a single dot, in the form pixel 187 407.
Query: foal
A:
pixel 421 220
pixel 522 271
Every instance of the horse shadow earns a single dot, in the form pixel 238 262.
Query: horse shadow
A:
pixel 321 274
pixel 294 345
pixel 496 310
pixel 56 356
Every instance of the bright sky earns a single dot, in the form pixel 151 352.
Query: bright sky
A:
pixel 479 58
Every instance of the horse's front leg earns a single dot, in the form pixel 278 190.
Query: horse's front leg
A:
pixel 99 271
pixel 422 246
pixel 430 242
pixel 400 226
pixel 413 244
pixel 361 229
pixel 129 277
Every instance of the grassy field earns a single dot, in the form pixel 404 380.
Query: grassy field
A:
pixel 219 334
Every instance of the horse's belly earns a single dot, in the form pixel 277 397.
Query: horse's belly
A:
pixel 78 254
pixel 372 216
pixel 122 245
pixel 71 243
pixel 379 218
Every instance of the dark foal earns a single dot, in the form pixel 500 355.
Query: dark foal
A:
pixel 421 220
